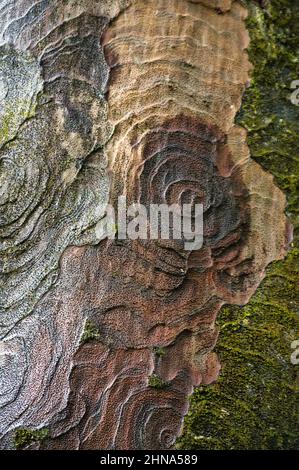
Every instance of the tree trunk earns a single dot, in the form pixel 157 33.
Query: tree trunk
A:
pixel 103 340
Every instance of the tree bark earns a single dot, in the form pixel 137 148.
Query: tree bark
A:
pixel 102 341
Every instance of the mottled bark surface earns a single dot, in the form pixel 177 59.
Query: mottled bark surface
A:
pixel 100 99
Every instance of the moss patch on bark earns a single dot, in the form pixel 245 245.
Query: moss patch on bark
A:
pixel 90 333
pixel 24 437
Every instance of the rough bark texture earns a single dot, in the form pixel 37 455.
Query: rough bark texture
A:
pixel 100 99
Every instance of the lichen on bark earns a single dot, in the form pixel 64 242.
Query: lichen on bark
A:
pixel 254 403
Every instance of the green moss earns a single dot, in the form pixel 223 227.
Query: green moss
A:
pixel 90 333
pixel 155 381
pixel 254 404
pixel 23 437
pixel 160 352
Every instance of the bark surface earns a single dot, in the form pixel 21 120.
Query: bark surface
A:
pixel 103 341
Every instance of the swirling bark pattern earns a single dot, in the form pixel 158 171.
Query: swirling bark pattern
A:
pixel 134 98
